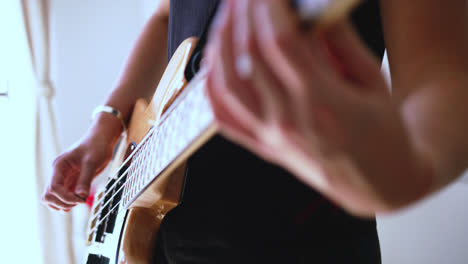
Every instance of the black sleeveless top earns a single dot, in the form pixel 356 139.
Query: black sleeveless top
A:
pixel 237 208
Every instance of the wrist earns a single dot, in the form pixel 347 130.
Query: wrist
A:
pixel 107 127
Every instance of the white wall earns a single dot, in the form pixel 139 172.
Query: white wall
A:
pixel 90 42
pixel 19 226
pixel 432 232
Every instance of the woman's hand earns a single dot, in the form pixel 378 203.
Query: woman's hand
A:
pixel 75 169
pixel 314 103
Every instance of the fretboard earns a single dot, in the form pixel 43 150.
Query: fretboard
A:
pixel 187 119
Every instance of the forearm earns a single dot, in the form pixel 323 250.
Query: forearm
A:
pixel 436 119
pixel 426 42
pixel 143 69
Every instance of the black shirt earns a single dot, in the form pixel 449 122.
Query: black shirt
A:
pixel 237 208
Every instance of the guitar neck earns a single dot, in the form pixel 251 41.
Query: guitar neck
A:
pixel 184 127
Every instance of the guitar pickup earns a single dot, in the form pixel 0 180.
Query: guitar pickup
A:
pixel 96 259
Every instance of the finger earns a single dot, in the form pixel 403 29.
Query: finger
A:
pixel 227 121
pixel 239 93
pixel 281 41
pixel 224 101
pixel 57 187
pixel 53 207
pixel 232 127
pixel 278 106
pixel 297 60
pixel 248 81
pixel 219 21
pixel 242 37
pixel 294 56
pixel 51 199
pixel 352 56
pixel 247 61
pixel 87 173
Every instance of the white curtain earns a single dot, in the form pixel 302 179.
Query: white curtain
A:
pixel 56 229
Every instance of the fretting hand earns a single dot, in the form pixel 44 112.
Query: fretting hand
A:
pixel 314 103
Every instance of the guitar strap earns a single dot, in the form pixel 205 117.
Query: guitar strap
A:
pixel 193 65
pixel 366 19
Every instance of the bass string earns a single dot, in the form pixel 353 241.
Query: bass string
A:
pixel 107 215
pixel 110 210
pixel 132 165
pixel 110 189
pixel 152 132
pixel 111 199
pixel 199 78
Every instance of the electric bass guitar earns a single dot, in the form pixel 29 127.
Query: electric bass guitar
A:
pixel 147 172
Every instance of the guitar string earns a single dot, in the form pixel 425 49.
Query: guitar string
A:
pixel 154 131
pixel 139 147
pixel 128 160
pixel 110 199
pixel 132 165
pixel 106 216
pixel 110 210
pixel 108 191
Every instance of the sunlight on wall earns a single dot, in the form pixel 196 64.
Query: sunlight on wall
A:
pixel 18 225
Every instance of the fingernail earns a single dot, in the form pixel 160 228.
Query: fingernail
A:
pixel 273 16
pixel 81 193
pixel 244 66
pixel 81 197
pixel 221 16
pixel 263 20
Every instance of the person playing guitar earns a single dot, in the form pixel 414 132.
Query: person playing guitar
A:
pixel 312 144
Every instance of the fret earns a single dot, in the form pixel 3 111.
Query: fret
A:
pixel 144 165
pixel 155 159
pixel 182 124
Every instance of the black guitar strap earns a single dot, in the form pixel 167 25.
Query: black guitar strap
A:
pixel 366 19
pixel 193 65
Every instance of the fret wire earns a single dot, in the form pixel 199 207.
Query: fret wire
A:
pixel 110 211
pixel 132 165
pixel 162 128
pixel 145 164
pixel 151 159
pixel 110 199
pixel 155 154
pixel 112 187
pixel 104 218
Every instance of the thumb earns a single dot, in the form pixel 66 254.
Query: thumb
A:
pixel 351 56
pixel 88 169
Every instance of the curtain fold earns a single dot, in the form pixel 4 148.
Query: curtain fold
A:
pixel 56 229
